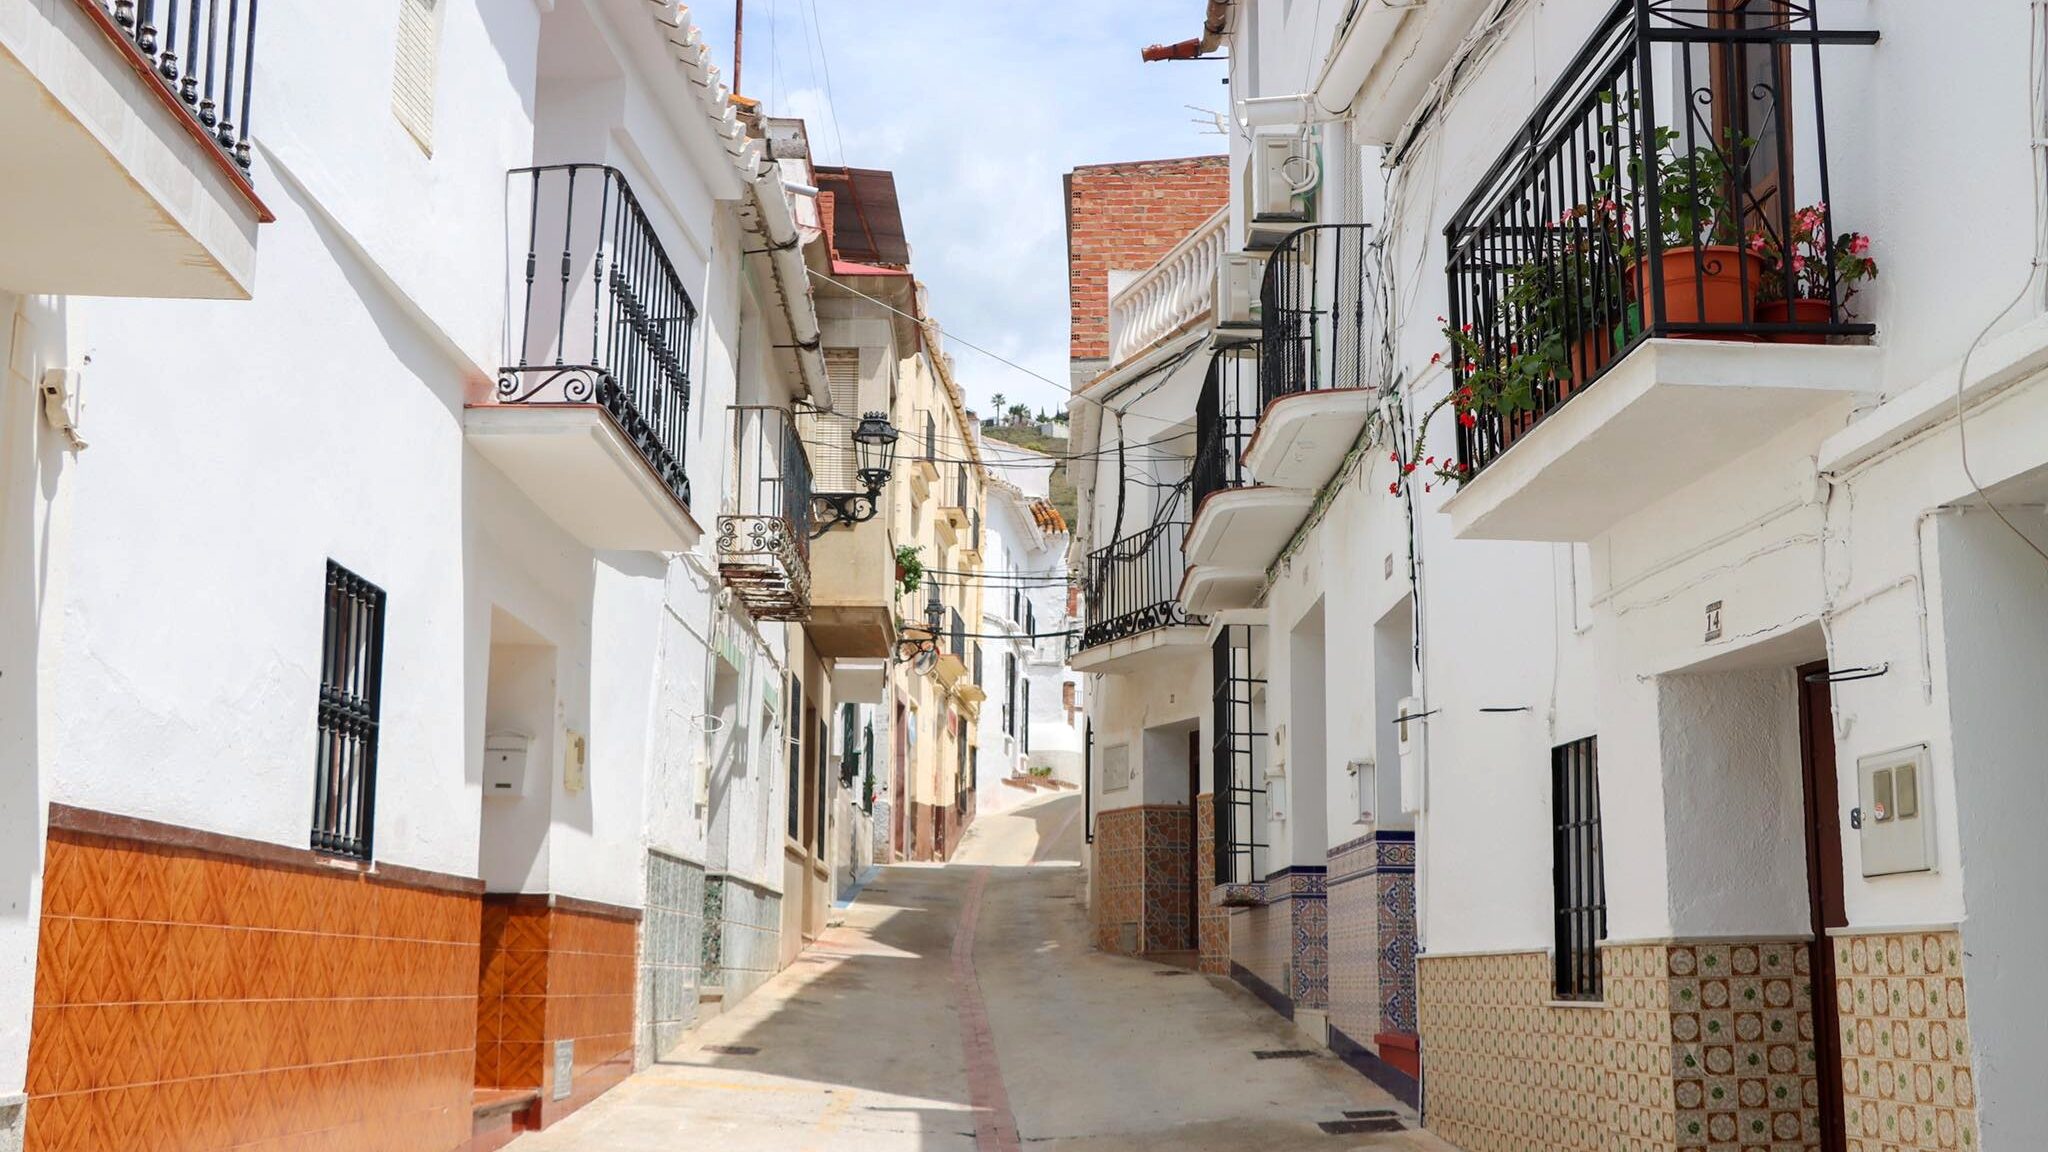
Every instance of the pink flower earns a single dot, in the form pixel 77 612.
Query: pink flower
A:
pixel 1860 245
pixel 1798 262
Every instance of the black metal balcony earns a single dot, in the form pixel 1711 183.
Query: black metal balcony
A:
pixel 204 55
pixel 602 317
pixel 956 635
pixel 1672 183
pixel 1226 415
pixel 764 539
pixel 1133 586
pixel 1316 310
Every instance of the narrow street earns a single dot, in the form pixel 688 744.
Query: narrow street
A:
pixel 885 1037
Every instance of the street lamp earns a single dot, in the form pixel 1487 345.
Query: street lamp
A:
pixel 874 446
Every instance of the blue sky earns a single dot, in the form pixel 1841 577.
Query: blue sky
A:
pixel 980 107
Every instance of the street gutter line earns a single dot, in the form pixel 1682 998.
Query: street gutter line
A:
pixel 995 1129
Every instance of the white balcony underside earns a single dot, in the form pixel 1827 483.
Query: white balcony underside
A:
pixel 109 192
pixel 1301 439
pixel 577 467
pixel 1242 530
pixel 1668 414
pixel 1143 652
pixel 1208 591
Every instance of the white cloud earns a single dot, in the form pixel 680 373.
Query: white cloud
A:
pixel 980 107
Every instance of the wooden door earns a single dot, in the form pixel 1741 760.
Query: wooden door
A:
pixel 1824 889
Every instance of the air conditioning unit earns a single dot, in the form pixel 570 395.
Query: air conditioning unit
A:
pixel 1239 276
pixel 1284 172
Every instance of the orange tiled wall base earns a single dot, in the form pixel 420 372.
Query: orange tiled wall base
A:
pixel 191 1000
pixel 1213 936
pixel 552 973
pixel 1140 888
pixel 1696 1045
pixel 1905 1025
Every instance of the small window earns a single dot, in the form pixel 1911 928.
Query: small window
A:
pixel 1024 719
pixel 792 729
pixel 1578 874
pixel 416 73
pixel 351 689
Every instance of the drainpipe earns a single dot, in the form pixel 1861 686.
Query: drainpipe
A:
pixel 1214 25
pixel 776 223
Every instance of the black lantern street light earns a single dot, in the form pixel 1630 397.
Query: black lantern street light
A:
pixel 874 446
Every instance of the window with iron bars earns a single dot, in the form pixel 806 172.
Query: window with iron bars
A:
pixel 1578 871
pixel 1024 719
pixel 351 693
pixel 1239 730
pixel 1009 693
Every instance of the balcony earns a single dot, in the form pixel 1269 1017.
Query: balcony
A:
pixel 127 158
pixel 1240 525
pixel 589 414
pixel 764 542
pixel 1320 355
pixel 924 467
pixel 953 655
pixel 1175 294
pixel 956 520
pixel 1134 617
pixel 1648 281
pixel 853 566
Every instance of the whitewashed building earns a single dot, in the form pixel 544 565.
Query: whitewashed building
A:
pixel 1614 716
pixel 1028 737
pixel 408 566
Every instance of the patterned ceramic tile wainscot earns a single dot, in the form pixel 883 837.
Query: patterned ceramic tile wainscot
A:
pixel 1906 1072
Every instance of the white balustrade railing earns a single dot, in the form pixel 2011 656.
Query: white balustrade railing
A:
pixel 1176 291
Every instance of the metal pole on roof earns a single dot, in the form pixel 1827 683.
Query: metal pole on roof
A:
pixel 739 25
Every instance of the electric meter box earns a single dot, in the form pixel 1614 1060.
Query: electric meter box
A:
pixel 1895 811
pixel 505 756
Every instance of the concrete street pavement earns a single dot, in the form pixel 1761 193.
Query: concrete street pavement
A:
pixel 960 1008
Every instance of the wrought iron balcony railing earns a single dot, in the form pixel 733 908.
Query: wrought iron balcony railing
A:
pixel 764 539
pixel 1133 585
pixel 1226 415
pixel 1318 312
pixel 602 316
pixel 1175 292
pixel 957 635
pixel 204 54
pixel 1673 182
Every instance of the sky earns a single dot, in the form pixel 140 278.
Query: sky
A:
pixel 980 107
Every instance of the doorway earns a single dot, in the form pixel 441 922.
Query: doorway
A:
pixel 1824 888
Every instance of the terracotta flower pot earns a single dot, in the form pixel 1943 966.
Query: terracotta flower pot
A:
pixel 1713 284
pixel 1798 312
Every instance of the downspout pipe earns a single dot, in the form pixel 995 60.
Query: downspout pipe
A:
pixel 1215 25
pixel 785 251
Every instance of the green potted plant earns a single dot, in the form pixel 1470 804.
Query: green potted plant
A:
pixel 1709 275
pixel 909 569
pixel 1822 274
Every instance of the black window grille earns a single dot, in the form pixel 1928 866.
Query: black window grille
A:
pixel 1009 694
pixel 792 726
pixel 351 693
pixel 1239 733
pixel 1578 872
pixel 1024 717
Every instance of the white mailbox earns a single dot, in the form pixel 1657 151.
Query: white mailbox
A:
pixel 505 756
pixel 1895 812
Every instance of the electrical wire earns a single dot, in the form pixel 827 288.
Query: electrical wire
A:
pixel 2037 128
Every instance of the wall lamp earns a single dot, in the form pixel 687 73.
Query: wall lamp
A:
pixel 874 445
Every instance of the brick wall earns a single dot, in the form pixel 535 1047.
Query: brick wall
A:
pixel 1123 218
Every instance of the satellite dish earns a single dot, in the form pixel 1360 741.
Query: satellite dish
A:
pixel 927 660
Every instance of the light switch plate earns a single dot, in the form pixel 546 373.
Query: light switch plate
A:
pixel 1894 796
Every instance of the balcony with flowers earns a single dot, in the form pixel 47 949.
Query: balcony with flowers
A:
pixel 1651 279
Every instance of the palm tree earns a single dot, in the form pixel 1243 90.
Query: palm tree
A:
pixel 998 398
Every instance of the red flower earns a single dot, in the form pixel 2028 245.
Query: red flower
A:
pixel 1436 359
pixel 1394 489
pixel 1468 419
